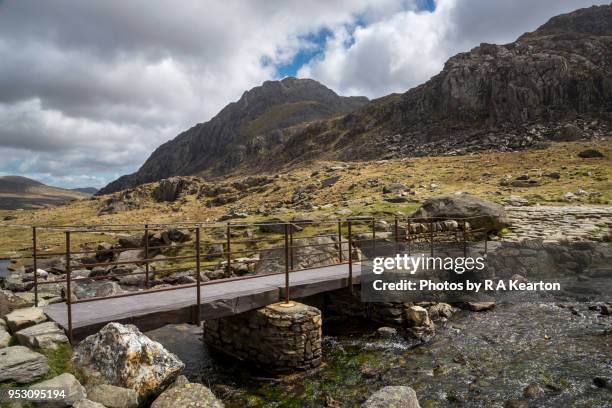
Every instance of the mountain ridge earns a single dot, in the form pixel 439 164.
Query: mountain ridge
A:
pixel 497 97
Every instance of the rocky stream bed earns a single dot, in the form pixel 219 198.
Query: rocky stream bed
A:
pixel 517 355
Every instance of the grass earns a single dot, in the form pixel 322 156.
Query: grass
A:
pixel 360 189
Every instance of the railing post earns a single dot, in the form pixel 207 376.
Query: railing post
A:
pixel 373 237
pixel 198 278
pixel 340 240
pixel 68 288
pixel 35 266
pixel 350 254
pixel 229 250
pixel 291 246
pixel 286 263
pixel 431 237
pixel 396 234
pixel 146 243
pixel 464 239
pixel 408 232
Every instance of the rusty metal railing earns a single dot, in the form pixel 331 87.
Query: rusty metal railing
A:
pixel 354 231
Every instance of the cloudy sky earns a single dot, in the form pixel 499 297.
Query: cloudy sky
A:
pixel 88 89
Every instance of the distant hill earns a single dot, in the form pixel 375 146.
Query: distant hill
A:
pixel 21 192
pixel 86 190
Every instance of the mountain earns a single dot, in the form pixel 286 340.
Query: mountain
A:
pixel 551 84
pixel 254 125
pixel 86 190
pixel 22 192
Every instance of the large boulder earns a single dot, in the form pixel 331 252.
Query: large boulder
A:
pixel 22 365
pixel 186 394
pixel 22 318
pixel 47 335
pixel 121 355
pixel 66 382
pixel 393 397
pixel 491 216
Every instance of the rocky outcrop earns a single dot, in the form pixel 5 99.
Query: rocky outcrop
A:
pixel 121 355
pixel 22 365
pixel 393 397
pixel 489 216
pixel 72 388
pixel 186 394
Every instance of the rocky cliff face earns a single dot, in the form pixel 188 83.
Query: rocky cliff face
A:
pixel 498 97
pixel 555 82
pixel 250 127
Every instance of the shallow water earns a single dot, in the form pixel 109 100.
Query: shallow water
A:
pixel 476 360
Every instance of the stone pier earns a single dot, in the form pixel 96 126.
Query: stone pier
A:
pixel 280 337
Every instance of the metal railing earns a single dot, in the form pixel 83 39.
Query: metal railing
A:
pixel 238 239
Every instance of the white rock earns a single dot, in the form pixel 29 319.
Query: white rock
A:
pixel 121 355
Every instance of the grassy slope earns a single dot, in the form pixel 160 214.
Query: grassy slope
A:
pixel 479 174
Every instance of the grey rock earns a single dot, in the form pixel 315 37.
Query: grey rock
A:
pixel 590 154
pixel 47 335
pixel 22 318
pixel 393 397
pixel 22 365
pixel 85 403
pixel 66 382
pixel 186 394
pixel 5 338
pixel 112 396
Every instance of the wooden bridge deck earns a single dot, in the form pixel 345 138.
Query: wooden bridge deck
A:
pixel 151 310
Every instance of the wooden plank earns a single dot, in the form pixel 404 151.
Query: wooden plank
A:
pixel 155 309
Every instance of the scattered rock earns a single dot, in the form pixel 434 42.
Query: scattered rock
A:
pixel 480 306
pixel 386 332
pixel 22 318
pixel 66 382
pixel 5 338
pixel 113 397
pixel 109 356
pixel 533 390
pixel 186 394
pixel 441 311
pixel 567 133
pixel 22 365
pixel 96 289
pixel 47 335
pixel 516 201
pixel 330 181
pixel 601 382
pixel 553 175
pixel 394 188
pixel 85 403
pixel 590 153
pixel 393 397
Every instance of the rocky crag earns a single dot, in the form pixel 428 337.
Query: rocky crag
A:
pixel 550 84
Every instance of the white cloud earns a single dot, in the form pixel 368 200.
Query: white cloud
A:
pixel 89 89
pixel 398 51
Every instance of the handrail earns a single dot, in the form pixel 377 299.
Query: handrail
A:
pixel 402 229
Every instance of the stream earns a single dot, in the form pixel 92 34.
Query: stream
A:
pixel 476 360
